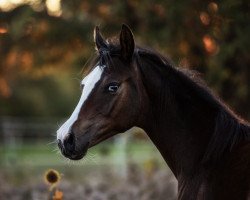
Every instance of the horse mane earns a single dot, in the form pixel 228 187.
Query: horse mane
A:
pixel 228 130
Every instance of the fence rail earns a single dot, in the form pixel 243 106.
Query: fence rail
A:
pixel 17 129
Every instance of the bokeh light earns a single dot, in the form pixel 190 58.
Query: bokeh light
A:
pixel 54 7
pixel 210 44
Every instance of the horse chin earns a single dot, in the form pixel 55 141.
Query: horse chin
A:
pixel 101 137
pixel 98 138
pixel 75 157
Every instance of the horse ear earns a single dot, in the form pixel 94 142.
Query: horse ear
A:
pixel 99 40
pixel 127 42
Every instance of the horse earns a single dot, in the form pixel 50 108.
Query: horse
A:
pixel 205 144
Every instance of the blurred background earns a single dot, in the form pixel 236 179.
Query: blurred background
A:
pixel 44 45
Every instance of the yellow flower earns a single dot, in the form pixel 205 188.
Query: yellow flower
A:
pixel 52 177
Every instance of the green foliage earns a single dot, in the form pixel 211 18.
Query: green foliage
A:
pixel 41 54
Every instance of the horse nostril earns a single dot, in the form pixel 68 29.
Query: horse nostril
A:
pixel 69 142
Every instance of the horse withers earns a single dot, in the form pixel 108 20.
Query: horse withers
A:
pixel 204 143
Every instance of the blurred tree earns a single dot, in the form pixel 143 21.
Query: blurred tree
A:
pixel 44 45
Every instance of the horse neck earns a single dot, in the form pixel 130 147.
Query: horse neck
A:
pixel 180 120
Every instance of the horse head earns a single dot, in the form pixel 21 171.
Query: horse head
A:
pixel 111 99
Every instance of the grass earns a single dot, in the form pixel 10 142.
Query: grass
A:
pixel 42 153
pixel 28 161
pixel 111 169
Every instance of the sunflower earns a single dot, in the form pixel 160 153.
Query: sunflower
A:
pixel 52 177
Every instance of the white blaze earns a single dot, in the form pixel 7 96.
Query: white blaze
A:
pixel 89 83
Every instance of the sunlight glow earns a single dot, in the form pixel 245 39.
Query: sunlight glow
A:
pixel 54 7
pixel 213 7
pixel 4 88
pixel 3 30
pixel 205 19
pixel 210 45
pixel 16 1
pixel 7 5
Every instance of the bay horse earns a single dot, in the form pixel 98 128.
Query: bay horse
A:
pixel 203 142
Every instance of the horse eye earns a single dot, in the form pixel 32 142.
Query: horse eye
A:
pixel 81 86
pixel 113 87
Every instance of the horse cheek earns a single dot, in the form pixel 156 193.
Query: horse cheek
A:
pixel 129 111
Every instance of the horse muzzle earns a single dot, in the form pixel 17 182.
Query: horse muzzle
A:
pixel 70 149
